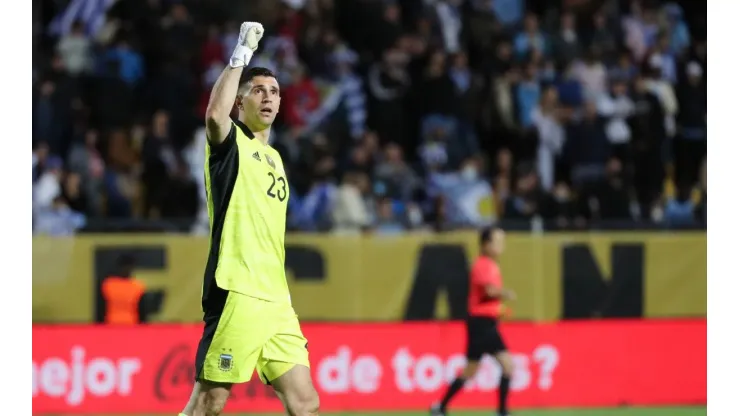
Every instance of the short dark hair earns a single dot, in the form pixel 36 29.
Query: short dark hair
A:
pixel 256 71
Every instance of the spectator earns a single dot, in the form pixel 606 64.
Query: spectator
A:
pixel 469 198
pixel 397 178
pixel 437 132
pixel 121 184
pixel 639 30
pixel 58 219
pixel 462 77
pixel 691 142
pixel 677 30
pixel 587 148
pixel 665 93
pixel 524 202
pixel 527 95
pixel 212 50
pixel 592 74
pixel 159 162
pixel 570 89
pixel 316 47
pixel 612 198
pixel 624 69
pixel 300 99
pixel 388 222
pixel 567 45
pixel 194 156
pixel 437 93
pixel 371 143
pixel 468 88
pixel 180 199
pixel 438 216
pixel 74 48
pixel 350 214
pixel 40 156
pixel 648 143
pixel 547 120
pixel 388 82
pixel 387 31
pixel 229 38
pixel 531 39
pixel 680 210
pixel 501 60
pixel 560 207
pixel 314 211
pixel 360 159
pixel 48 187
pixel 604 38
pixel 504 164
pixel 47 115
pixel 616 108
pixel 347 90
pixel 501 194
pixel 666 60
pixel 86 161
pixel 290 21
pixel 499 125
pixel 279 56
pixel 178 30
pixel 508 12
pixel 128 61
pixel 73 194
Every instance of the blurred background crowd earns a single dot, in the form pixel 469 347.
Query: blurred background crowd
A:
pixel 396 114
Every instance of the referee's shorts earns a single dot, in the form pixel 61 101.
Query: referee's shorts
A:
pixel 483 337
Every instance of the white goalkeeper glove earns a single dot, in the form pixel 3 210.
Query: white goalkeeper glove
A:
pixel 250 34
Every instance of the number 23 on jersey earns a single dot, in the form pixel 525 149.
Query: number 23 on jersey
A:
pixel 278 187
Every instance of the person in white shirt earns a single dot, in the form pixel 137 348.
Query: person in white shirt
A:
pixel 665 92
pixel 58 220
pixel 350 214
pixel 592 74
pixel 74 49
pixel 616 108
pixel 547 120
pixel 48 186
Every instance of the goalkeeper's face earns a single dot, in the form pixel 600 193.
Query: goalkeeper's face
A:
pixel 261 101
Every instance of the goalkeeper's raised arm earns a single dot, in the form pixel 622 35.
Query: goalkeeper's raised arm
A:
pixel 225 90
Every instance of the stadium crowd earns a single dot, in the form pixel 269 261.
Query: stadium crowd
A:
pixel 395 114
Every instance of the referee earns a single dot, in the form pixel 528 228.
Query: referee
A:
pixel 484 308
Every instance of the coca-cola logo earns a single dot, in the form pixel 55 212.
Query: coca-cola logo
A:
pixel 176 374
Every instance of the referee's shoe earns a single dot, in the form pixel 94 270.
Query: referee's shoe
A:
pixel 436 410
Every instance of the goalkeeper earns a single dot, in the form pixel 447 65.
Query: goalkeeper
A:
pixel 249 321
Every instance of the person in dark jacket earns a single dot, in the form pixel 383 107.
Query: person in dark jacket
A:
pixel 691 142
pixel 648 140
pixel 613 195
pixel 587 147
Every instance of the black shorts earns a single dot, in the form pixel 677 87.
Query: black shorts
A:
pixel 483 337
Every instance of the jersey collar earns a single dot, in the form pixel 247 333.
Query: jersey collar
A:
pixel 244 129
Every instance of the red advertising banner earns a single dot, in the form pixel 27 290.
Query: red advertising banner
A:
pixel 94 369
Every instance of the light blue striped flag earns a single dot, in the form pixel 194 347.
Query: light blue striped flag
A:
pixel 90 12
